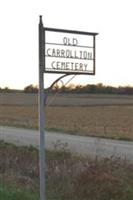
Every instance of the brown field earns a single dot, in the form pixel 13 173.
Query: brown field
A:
pixel 26 99
pixel 102 121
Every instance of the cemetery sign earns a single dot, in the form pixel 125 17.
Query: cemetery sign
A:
pixel 68 51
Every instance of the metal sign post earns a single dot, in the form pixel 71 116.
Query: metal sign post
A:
pixel 41 111
pixel 64 52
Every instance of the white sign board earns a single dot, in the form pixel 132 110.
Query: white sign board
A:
pixel 69 53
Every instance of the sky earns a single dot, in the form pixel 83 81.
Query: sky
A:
pixel 112 19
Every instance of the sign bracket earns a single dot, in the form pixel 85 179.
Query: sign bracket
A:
pixel 67 66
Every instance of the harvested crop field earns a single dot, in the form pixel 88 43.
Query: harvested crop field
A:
pixel 27 99
pixel 102 121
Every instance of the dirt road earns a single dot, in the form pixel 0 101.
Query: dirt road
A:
pixel 76 144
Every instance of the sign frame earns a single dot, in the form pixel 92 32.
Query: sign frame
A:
pixel 69 72
pixel 41 93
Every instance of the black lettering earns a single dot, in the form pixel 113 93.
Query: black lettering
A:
pixel 62 65
pixel 57 65
pixel 81 67
pixel 48 52
pixel 65 40
pixel 53 53
pixel 72 65
pixel 58 53
pixel 76 66
pixel 85 65
pixel 68 53
pixel 70 41
pixel 67 65
pixel 89 55
pixel 62 53
pixel 75 54
pixel 75 42
pixel 85 54
pixel 52 64
pixel 81 54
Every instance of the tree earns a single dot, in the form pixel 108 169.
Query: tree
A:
pixel 31 89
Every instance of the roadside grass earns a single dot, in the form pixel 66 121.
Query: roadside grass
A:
pixel 68 177
pixel 16 194
pixel 115 122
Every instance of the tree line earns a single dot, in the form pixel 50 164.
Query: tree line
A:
pixel 89 88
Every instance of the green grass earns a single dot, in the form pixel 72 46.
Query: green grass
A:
pixel 16 194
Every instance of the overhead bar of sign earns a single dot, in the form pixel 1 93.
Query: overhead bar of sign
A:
pixel 69 52
pixel 70 31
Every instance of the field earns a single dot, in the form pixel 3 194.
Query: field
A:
pixel 26 99
pixel 102 121
pixel 109 116
pixel 85 179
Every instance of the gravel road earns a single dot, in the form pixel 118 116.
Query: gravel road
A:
pixel 76 144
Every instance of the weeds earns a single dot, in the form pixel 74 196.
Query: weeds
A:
pixel 16 194
pixel 68 177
